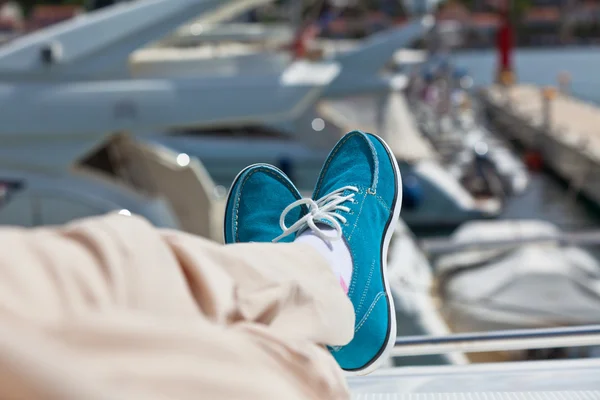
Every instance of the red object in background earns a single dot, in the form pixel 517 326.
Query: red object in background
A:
pixel 305 36
pixel 505 44
pixel 299 47
pixel 47 14
pixel 534 161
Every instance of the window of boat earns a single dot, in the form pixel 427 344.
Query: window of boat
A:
pixel 256 131
pixel 56 209
pixel 101 160
pixel 111 159
pixel 405 61
pixel 16 208
pixel 8 187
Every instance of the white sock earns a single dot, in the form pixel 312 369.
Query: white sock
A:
pixel 336 253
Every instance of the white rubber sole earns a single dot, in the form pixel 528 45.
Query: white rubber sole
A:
pixel 386 243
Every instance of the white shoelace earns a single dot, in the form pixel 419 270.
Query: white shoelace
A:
pixel 323 209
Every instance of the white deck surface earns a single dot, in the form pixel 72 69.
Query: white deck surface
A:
pixel 561 379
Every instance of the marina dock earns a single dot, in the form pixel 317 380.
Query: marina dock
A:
pixel 563 130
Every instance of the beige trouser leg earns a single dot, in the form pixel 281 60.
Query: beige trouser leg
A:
pixel 111 308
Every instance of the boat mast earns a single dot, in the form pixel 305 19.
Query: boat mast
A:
pixel 505 73
pixel 296 14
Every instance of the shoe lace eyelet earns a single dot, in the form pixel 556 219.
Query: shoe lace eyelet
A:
pixel 330 209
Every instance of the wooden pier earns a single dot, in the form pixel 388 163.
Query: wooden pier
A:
pixel 565 131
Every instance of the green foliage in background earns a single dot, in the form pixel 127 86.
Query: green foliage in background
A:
pixel 28 4
pixel 518 7
pixel 310 7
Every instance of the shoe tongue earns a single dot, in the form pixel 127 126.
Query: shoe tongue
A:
pixel 328 191
pixel 331 185
pixel 323 225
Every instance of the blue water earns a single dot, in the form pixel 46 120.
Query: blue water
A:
pixel 541 66
pixel 548 197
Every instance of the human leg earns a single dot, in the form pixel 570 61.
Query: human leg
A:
pixel 125 310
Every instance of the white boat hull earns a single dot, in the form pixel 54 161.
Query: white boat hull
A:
pixel 517 286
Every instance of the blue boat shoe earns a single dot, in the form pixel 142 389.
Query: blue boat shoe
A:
pixel 359 194
pixel 255 204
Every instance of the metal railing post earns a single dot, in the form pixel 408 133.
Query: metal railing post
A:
pixel 525 339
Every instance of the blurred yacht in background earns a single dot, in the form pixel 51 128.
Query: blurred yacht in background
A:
pixel 505 275
pixel 77 86
pixel 360 97
pixel 59 161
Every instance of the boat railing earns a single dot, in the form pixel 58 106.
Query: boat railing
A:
pixel 434 246
pixel 507 340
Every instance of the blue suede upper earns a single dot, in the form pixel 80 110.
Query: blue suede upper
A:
pixel 361 160
pixel 256 200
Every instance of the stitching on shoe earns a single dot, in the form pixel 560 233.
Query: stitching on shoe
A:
pixel 363 320
pixel 366 289
pixel 353 280
pixel 330 158
pixel 382 203
pixel 280 178
pixel 337 149
pixel 362 203
pixel 375 165
pixel 268 171
pixel 366 317
pixel 352 284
